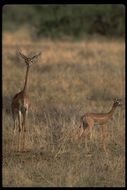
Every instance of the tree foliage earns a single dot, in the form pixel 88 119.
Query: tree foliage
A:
pixel 68 20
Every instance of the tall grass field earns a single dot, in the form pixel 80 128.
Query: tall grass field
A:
pixel 69 79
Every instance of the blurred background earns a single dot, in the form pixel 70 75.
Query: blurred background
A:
pixel 74 21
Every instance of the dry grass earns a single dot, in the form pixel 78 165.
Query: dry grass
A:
pixel 69 79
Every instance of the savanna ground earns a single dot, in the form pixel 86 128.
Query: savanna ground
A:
pixel 69 79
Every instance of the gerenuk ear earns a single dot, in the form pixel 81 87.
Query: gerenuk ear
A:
pixel 36 56
pixel 22 55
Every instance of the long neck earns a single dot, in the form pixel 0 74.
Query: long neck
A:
pixel 112 110
pixel 26 81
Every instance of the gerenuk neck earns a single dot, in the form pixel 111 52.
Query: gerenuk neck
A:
pixel 112 110
pixel 26 81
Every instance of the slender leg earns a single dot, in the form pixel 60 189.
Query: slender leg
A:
pixel 85 134
pixel 24 129
pixel 101 127
pixel 14 131
pixel 103 135
pixel 91 134
pixel 91 125
pixel 86 139
pixel 105 132
pixel 20 131
pixel 87 131
pixel 82 131
pixel 83 127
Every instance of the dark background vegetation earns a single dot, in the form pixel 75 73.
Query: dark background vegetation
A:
pixel 76 21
